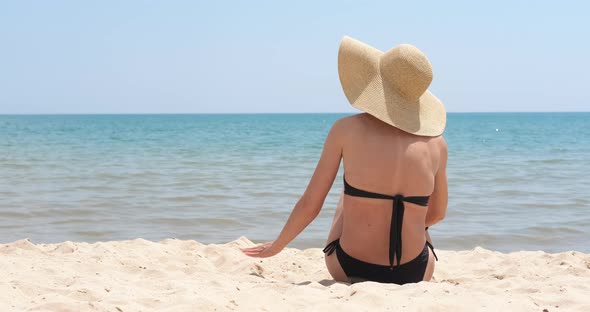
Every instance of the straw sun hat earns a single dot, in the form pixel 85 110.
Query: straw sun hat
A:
pixel 391 86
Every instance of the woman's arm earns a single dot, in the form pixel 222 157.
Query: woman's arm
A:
pixel 312 200
pixel 437 207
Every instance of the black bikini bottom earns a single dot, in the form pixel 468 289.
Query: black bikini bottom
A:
pixel 358 271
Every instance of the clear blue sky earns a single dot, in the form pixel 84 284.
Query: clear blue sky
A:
pixel 280 56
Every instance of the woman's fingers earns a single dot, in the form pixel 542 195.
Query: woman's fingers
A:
pixel 253 248
pixel 257 251
pixel 254 253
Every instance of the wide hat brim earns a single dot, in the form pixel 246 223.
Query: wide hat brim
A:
pixel 360 76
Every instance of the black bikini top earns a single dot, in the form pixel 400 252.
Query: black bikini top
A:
pixel 397 216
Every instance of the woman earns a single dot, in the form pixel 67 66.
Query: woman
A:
pixel 395 181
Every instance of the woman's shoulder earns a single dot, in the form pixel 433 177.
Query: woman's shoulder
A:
pixel 348 122
pixel 440 142
pixel 345 126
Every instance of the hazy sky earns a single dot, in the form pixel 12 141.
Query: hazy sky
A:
pixel 280 56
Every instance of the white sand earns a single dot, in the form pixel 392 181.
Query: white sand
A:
pixel 175 275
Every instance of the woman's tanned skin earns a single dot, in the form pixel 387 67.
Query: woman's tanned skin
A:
pixel 378 158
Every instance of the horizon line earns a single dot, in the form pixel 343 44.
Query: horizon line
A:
pixel 274 113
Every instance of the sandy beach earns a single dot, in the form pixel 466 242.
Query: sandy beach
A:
pixel 182 275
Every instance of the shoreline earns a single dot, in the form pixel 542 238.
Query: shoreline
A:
pixel 185 275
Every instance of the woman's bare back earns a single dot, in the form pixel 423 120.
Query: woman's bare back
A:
pixel 382 159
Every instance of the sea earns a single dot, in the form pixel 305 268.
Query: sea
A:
pixel 517 181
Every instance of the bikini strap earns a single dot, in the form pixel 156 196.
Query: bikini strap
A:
pixel 432 248
pixel 353 191
pixel 331 247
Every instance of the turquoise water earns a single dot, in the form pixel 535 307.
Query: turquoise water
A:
pixel 516 180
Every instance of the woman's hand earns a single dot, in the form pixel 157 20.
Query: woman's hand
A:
pixel 264 250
